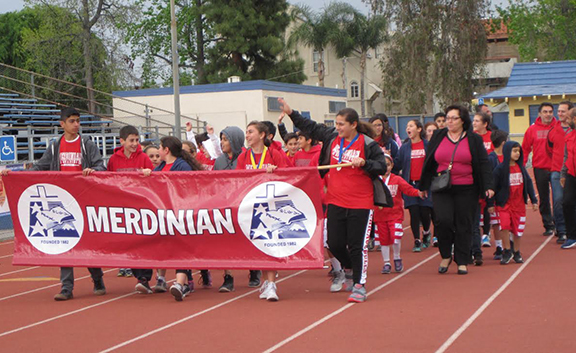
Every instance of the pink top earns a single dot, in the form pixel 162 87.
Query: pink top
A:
pixel 461 173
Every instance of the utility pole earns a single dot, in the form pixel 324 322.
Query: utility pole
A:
pixel 175 72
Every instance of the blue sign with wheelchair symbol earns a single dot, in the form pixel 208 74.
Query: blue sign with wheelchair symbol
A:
pixel 7 148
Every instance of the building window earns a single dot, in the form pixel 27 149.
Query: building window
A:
pixel 335 107
pixel 273 105
pixel 316 56
pixel 518 112
pixel 354 90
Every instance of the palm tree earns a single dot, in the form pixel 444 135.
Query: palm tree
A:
pixel 312 30
pixel 360 34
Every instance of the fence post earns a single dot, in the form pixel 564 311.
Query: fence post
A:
pixel 147 112
pixel 30 144
pixel 103 142
pixel 33 88
pixel 157 130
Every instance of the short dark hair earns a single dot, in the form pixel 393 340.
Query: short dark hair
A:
pixel 568 103
pixel 498 137
pixel 464 115
pixel 289 136
pixel 439 115
pixel 485 118
pixel 201 138
pixel 127 131
pixel 479 107
pixel 68 112
pixel 380 116
pixel 271 128
pixel 545 104
pixel 307 136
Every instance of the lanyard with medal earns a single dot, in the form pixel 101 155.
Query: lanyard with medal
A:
pixel 344 149
pixel 261 162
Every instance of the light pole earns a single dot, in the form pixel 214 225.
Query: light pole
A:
pixel 175 72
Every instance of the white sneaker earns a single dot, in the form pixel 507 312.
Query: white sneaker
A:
pixel 486 241
pixel 268 291
pixel 337 281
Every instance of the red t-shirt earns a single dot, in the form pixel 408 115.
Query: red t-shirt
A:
pixel 418 155
pixel 71 155
pixel 500 158
pixel 207 162
pixel 167 167
pixel 349 187
pixel 486 138
pixel 272 158
pixel 461 173
pixel 516 199
pixel 397 187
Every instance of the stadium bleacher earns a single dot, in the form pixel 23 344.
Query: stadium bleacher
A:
pixel 29 120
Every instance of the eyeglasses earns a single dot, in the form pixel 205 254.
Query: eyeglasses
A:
pixel 453 118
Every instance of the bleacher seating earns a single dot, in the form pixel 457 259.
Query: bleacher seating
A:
pixel 19 115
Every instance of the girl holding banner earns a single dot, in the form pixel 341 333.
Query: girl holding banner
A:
pixel 352 188
pixel 260 156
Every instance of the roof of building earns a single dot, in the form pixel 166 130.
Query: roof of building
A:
pixel 237 86
pixel 539 79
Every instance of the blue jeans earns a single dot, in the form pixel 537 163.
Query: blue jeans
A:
pixel 557 197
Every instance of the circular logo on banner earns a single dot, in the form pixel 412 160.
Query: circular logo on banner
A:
pixel 278 218
pixel 50 218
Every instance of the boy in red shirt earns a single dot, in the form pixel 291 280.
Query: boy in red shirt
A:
pixel 513 186
pixel 72 153
pixel 129 158
pixel 388 221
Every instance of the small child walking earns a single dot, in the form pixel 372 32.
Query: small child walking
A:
pixel 513 186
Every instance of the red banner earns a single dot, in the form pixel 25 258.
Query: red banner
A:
pixel 215 220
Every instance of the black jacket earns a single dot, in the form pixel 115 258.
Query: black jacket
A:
pixel 481 168
pixel 502 178
pixel 375 160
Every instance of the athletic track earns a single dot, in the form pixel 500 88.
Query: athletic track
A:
pixel 513 308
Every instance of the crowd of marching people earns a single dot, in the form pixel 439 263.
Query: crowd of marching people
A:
pixel 463 182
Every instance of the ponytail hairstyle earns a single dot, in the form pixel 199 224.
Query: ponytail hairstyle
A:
pixel 262 128
pixel 421 127
pixel 175 146
pixel 387 131
pixel 352 117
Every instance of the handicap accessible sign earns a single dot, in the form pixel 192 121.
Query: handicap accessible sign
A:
pixel 7 148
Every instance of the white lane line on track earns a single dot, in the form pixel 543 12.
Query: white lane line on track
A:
pixel 489 301
pixel 46 287
pixel 73 312
pixel 5 256
pixel 21 270
pixel 6 243
pixel 345 307
pixel 160 329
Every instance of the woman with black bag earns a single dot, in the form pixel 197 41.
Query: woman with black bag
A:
pixel 457 172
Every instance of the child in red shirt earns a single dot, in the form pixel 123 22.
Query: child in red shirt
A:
pixel 513 186
pixel 388 221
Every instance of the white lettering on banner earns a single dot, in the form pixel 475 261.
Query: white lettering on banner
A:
pixel 516 179
pixel 418 154
pixel 348 156
pixel 119 220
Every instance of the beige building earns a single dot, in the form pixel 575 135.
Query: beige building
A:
pixel 232 104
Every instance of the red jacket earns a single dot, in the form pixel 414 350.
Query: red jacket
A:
pixel 397 187
pixel 308 159
pixel 120 163
pixel 536 141
pixel 571 149
pixel 277 146
pixel 556 144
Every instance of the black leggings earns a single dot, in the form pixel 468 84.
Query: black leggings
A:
pixel 348 234
pixel 419 215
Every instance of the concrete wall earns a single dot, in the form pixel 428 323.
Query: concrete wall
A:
pixel 234 108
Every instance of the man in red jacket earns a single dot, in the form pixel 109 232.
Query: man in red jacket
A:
pixel 568 181
pixel 557 145
pixel 536 141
